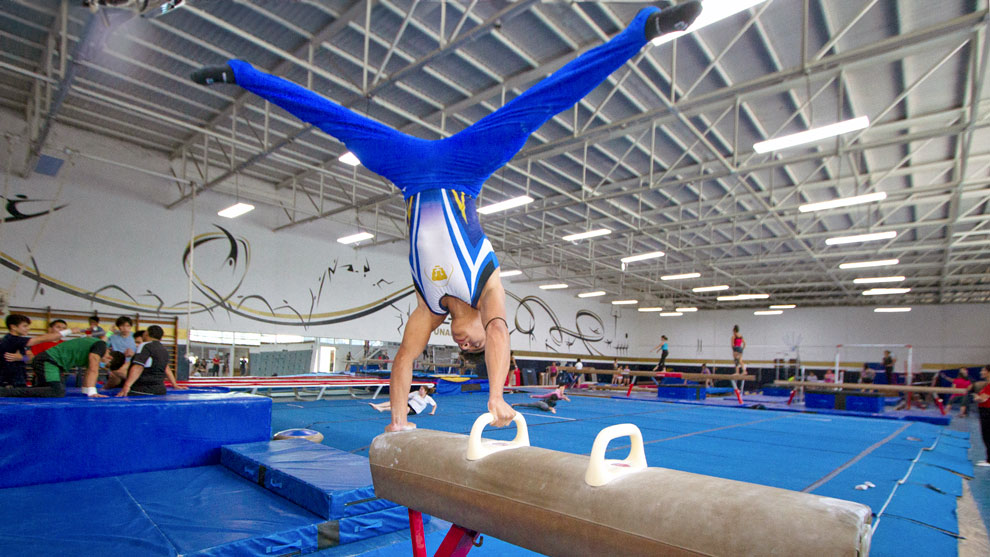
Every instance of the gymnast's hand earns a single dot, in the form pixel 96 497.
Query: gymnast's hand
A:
pixel 399 427
pixel 502 411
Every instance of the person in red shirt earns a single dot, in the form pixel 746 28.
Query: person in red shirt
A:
pixel 960 381
pixel 56 326
pixel 983 399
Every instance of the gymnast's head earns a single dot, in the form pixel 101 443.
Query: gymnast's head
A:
pixel 467 331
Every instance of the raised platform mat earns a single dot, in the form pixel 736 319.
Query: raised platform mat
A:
pixel 72 438
pixel 327 481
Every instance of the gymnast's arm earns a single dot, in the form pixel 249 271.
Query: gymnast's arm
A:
pixel 492 307
pixel 416 335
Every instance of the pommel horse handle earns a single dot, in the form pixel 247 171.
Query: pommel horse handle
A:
pixel 601 470
pixel 479 448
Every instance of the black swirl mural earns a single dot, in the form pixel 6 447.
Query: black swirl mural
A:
pixel 588 326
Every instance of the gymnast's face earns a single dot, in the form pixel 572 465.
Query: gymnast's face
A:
pixel 468 332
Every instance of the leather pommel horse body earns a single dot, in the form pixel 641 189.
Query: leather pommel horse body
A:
pixel 565 504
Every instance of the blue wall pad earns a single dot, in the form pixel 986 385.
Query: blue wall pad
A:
pixel 329 482
pixel 72 438
pixel 895 537
pixel 925 505
pixel 83 518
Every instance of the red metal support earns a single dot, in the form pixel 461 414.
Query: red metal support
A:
pixel 941 407
pixel 416 533
pixel 457 543
pixel 791 399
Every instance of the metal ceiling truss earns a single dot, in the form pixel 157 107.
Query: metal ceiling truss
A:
pixel 661 154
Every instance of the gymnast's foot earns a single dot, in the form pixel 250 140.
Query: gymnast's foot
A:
pixel 213 74
pixel 672 18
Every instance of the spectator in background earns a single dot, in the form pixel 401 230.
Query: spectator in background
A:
pixel 14 345
pixel 888 366
pixel 811 377
pixel 738 344
pixel 616 372
pixel 867 374
pixel 122 340
pixel 983 399
pixel 706 371
pixel 960 381
pixel 215 370
pixel 664 349
pixel 55 326
pixel 148 370
pixel 94 329
pixel 627 378
pixel 830 376
pixel 50 365
pixel 553 371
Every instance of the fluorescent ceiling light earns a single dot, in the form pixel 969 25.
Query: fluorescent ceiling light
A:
pixel 355 238
pixel 812 135
pixel 236 210
pixel 783 306
pixel 512 273
pixel 768 312
pixel 681 276
pixel 558 286
pixel 686 310
pixel 861 238
pixel 650 309
pixel 594 294
pixel 671 314
pixel 624 302
pixel 743 297
pixel 874 280
pixel 843 202
pixel 883 291
pixel 349 158
pixel 712 11
pixel 867 264
pixel 710 288
pixel 588 234
pixel 891 310
pixel 642 256
pixel 505 205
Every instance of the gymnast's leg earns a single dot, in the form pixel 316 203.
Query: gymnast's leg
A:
pixel 492 141
pixel 380 148
pixel 540 405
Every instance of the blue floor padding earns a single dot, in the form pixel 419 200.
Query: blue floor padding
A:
pixel 925 505
pixel 953 463
pixel 938 478
pixel 211 511
pixel 81 518
pixel 895 537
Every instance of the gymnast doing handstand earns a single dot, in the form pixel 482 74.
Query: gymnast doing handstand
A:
pixel 454 268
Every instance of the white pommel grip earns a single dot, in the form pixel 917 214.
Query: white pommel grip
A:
pixel 479 448
pixel 601 470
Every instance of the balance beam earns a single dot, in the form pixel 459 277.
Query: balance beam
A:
pixel 817 386
pixel 563 504
pixel 253 384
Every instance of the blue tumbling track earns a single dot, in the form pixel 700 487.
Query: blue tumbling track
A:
pixel 915 466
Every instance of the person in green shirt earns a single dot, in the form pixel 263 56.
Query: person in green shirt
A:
pixel 87 352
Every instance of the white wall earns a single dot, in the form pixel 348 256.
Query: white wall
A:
pixel 114 245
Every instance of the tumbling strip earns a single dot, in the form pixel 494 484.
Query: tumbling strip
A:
pixel 539 499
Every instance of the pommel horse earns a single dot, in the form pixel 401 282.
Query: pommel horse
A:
pixel 566 504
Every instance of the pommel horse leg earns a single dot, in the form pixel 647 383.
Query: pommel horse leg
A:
pixel 456 543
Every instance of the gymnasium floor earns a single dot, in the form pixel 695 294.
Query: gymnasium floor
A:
pixel 917 468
